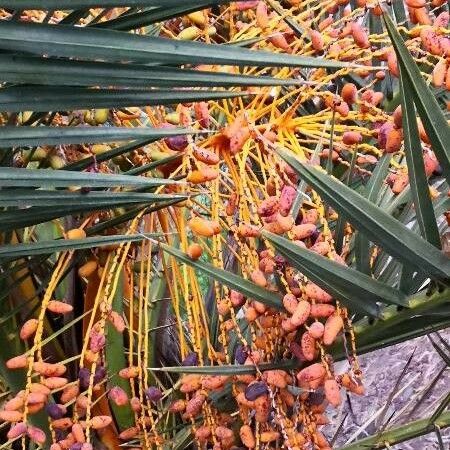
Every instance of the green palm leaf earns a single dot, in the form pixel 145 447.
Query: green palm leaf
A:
pixel 355 285
pixel 14 177
pixel 107 45
pixel 43 98
pixel 361 243
pixel 229 279
pixel 115 357
pixel 63 72
pixel 400 434
pixel 231 369
pixel 31 136
pixel 125 217
pixel 428 108
pixel 16 251
pixel 154 15
pixel 109 154
pixel 376 224
pixel 10 220
pixel 416 167
pixel 32 197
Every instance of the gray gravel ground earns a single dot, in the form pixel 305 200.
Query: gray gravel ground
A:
pixel 381 370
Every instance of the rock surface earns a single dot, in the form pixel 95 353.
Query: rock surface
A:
pixel 382 368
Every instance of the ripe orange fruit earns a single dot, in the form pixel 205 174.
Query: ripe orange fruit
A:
pixel 194 251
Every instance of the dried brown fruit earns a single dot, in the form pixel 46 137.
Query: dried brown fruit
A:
pixel 17 362
pixel 301 313
pixel 332 392
pixel 333 327
pixel 247 436
pixel 59 307
pixel 28 329
pixel 308 346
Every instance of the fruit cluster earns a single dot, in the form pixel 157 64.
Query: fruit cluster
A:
pixel 274 365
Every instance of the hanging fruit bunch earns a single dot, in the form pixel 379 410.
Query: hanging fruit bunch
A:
pixel 270 353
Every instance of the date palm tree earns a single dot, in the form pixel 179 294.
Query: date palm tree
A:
pixel 207 203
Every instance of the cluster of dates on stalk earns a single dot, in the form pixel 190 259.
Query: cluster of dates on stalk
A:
pixel 286 406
